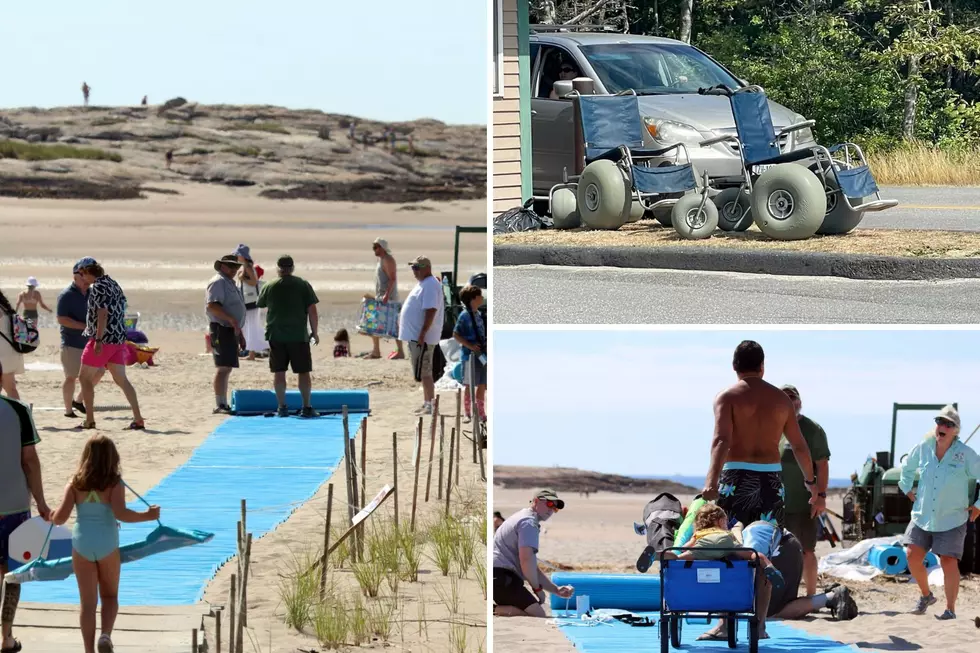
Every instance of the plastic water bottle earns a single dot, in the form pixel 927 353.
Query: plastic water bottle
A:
pixel 483 359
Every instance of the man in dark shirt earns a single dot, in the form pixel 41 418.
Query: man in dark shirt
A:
pixel 798 518
pixel 71 311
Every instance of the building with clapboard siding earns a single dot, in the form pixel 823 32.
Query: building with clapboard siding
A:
pixel 510 79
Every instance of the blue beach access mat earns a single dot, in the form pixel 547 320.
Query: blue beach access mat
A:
pixel 616 637
pixel 276 464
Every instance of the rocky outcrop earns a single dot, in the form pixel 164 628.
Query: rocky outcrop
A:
pixel 566 479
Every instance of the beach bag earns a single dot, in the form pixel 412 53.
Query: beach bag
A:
pixel 24 336
pixel 378 319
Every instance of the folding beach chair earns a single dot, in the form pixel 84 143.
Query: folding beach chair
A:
pixel 791 202
pixel 618 185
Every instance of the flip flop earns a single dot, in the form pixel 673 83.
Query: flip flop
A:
pixel 77 405
pixel 71 413
pixel 395 356
pixel 12 649
pixel 135 426
pixel 711 637
pixel 646 559
pixel 86 425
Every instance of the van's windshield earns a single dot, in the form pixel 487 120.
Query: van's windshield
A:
pixel 654 68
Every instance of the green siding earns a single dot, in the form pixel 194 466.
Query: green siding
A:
pixel 524 64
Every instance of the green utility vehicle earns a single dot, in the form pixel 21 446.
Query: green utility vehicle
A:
pixel 874 506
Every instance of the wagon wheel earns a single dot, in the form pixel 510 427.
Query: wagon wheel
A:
pixel 732 631
pixel 664 635
pixel 753 635
pixel 675 631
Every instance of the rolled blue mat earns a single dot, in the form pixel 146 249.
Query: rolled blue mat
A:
pixel 634 592
pixel 259 402
pixel 889 559
pixel 931 559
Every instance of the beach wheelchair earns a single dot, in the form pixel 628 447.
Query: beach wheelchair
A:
pixel 618 184
pixel 704 589
pixel 788 197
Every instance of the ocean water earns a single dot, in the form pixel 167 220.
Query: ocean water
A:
pixel 698 481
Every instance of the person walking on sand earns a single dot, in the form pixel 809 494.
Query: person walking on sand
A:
pixel 72 309
pixel 105 330
pixel 226 314
pixel 515 560
pixel 291 305
pixel 249 284
pixel 947 469
pixel 20 479
pixel 471 333
pixel 31 299
pixel 745 473
pixel 86 89
pixel 799 521
pixel 95 492
pixel 385 291
pixel 420 325
pixel 11 360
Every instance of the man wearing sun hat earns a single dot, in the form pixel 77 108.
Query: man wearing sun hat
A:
pixel 796 506
pixel 226 312
pixel 420 325
pixel 385 291
pixel 515 551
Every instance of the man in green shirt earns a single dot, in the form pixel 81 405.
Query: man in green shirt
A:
pixel 291 304
pixel 796 504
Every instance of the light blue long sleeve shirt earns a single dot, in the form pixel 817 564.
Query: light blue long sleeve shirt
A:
pixel 942 501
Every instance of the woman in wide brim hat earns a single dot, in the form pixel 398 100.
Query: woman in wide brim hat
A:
pixel 31 299
pixel 249 283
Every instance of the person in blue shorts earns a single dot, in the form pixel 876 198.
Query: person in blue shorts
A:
pixel 471 333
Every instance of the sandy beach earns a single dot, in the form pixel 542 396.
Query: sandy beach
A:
pixel 161 250
pixel 596 534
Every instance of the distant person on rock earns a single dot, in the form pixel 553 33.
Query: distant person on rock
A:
pixel 292 307
pixel 143 103
pixel 170 158
pixel 86 89
pixel 31 299
pixel 352 132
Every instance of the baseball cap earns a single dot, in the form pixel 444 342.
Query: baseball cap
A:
pixel 550 495
pixel 383 244
pixel 83 263
pixel 420 262
pixel 950 413
pixel 791 391
pixel 285 261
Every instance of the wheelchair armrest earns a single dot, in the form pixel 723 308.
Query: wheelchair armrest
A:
pixel 718 139
pixel 797 127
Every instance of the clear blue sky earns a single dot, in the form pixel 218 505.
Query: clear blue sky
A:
pixel 640 403
pixel 382 59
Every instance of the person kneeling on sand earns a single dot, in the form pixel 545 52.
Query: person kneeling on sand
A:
pixel 515 551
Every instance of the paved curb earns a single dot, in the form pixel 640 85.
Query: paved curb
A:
pixel 849 266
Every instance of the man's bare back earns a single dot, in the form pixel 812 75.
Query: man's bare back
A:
pixel 760 413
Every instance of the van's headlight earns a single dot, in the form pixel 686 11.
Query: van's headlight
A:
pixel 669 132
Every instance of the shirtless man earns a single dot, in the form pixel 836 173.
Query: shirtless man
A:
pixel 745 474
pixel 31 298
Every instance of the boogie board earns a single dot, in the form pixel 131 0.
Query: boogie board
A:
pixel 686 529
pixel 28 538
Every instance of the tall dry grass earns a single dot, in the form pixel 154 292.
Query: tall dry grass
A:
pixel 923 165
pixel 37 152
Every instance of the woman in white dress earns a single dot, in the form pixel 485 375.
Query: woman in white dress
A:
pixel 11 361
pixel 250 283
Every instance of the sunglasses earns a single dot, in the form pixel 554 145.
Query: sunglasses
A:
pixel 552 505
pixel 945 422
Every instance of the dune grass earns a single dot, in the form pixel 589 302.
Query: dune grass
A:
pixel 922 165
pixel 243 151
pixel 269 127
pixel 36 152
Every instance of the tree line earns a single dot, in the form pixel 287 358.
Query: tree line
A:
pixel 882 72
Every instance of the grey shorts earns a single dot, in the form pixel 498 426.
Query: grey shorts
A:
pixel 943 543
pixel 421 354
pixel 71 361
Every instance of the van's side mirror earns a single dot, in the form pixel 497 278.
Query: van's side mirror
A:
pixel 563 87
pixel 744 82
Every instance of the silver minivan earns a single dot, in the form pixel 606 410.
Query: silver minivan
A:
pixel 666 74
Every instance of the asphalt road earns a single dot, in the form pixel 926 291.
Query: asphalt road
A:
pixel 594 295
pixel 954 209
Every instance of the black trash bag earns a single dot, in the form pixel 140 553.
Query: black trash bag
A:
pixel 520 219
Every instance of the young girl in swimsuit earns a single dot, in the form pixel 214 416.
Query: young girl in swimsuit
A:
pixel 96 493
